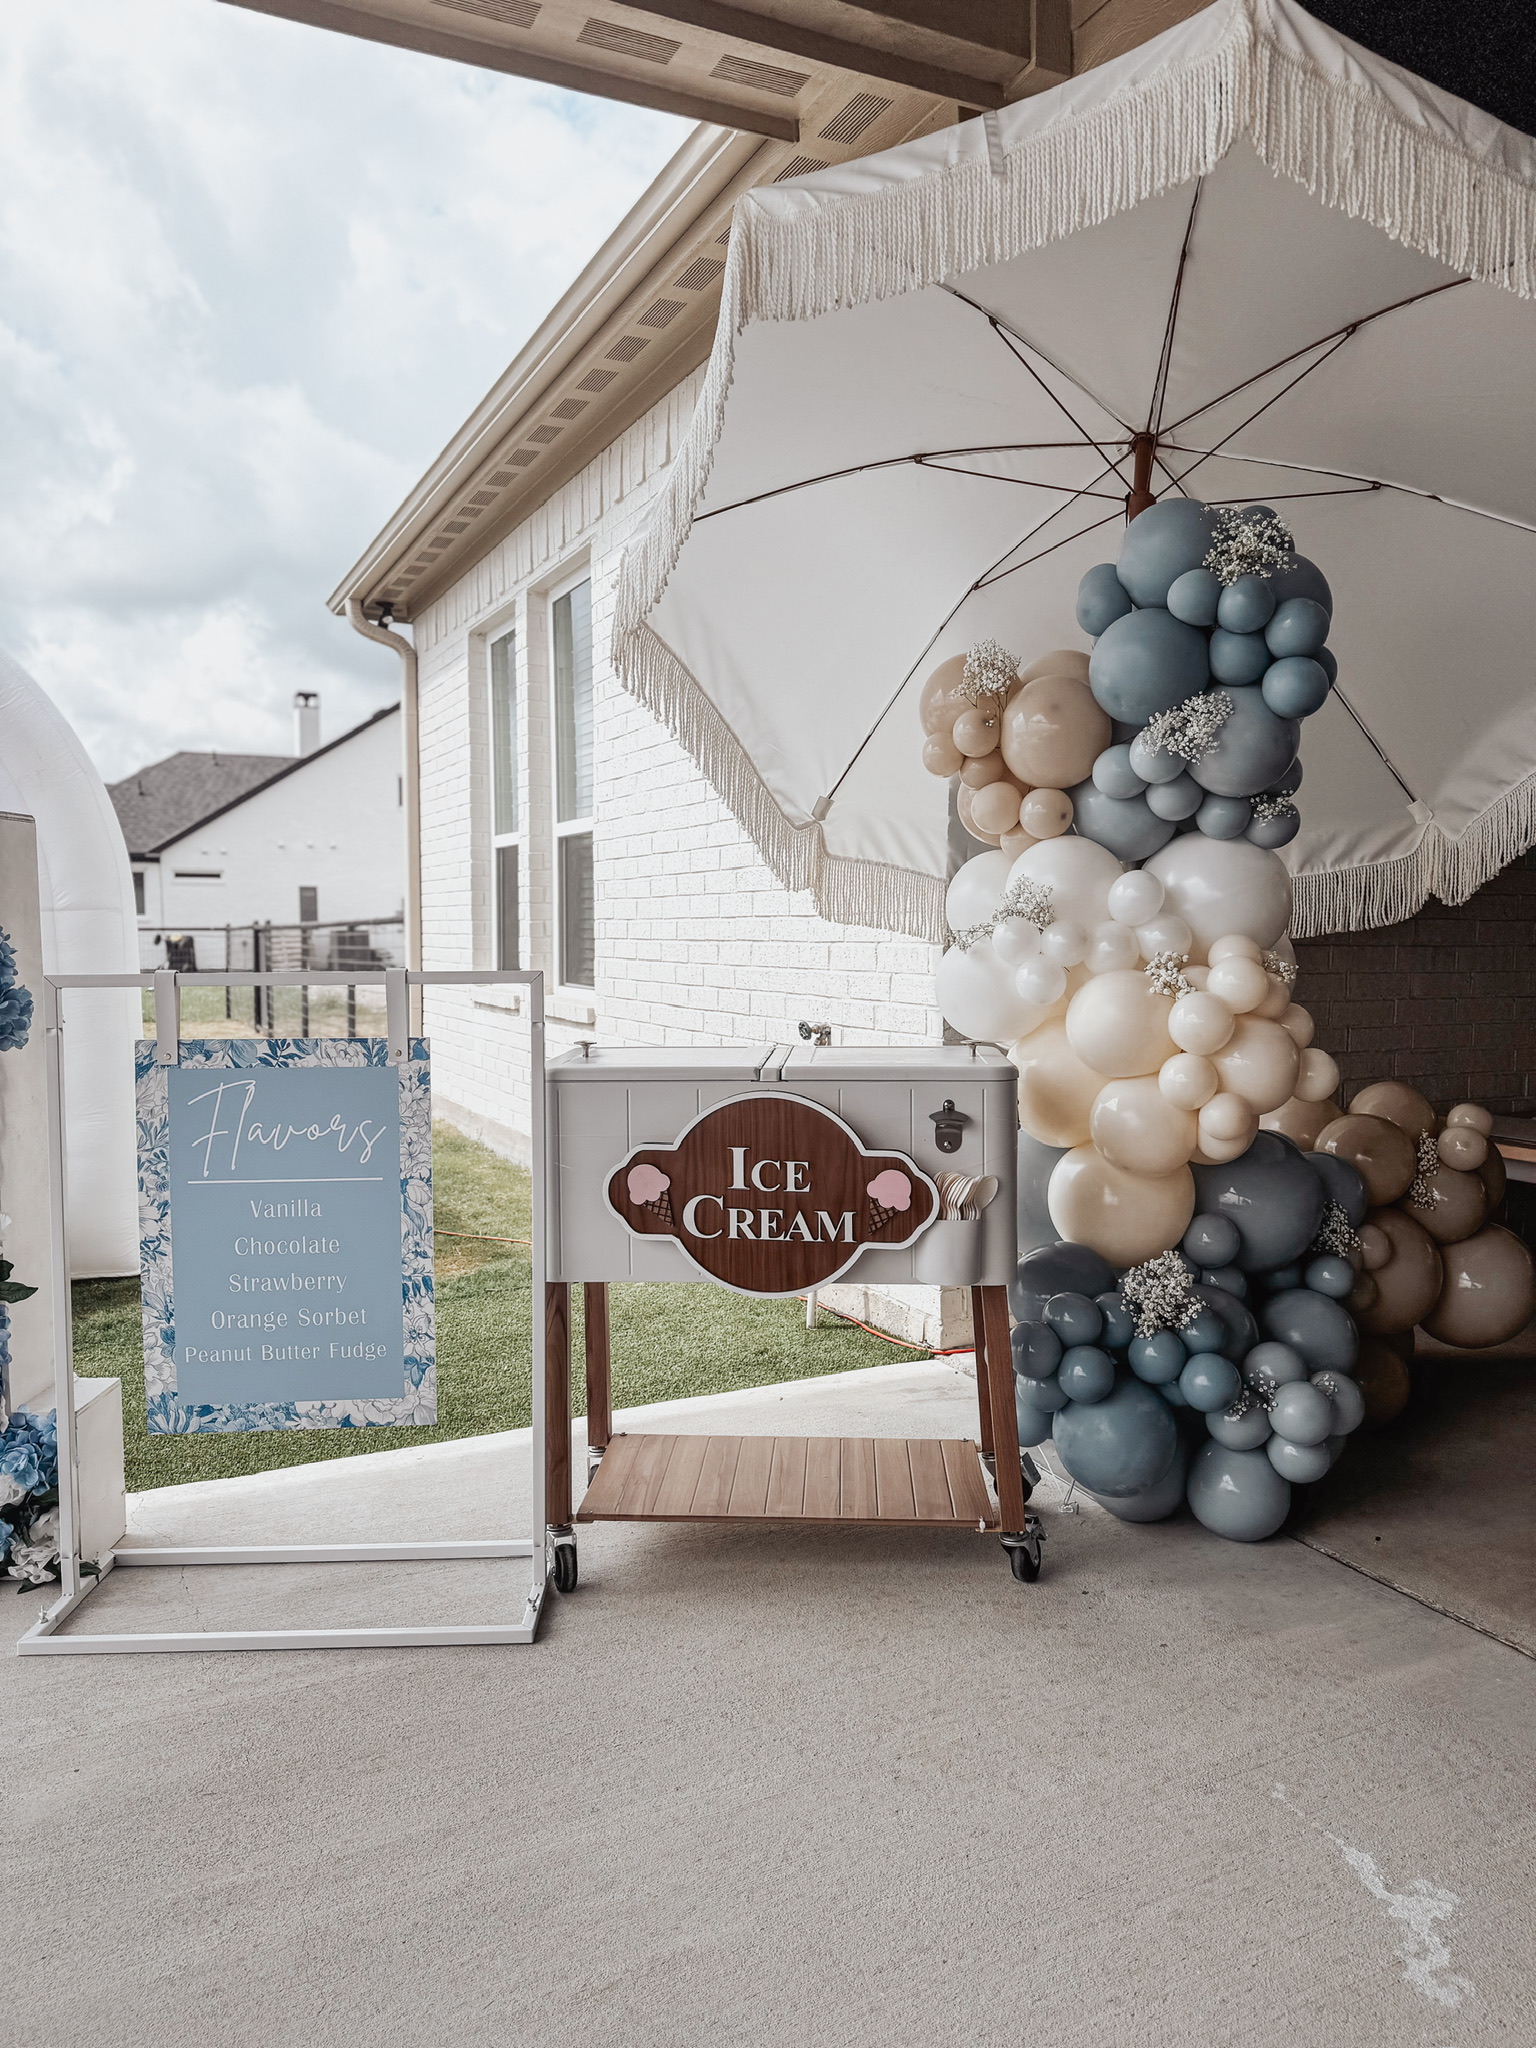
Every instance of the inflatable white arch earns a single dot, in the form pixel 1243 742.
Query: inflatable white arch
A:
pixel 87 926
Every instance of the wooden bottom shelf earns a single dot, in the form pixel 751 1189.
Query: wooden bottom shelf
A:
pixel 924 1482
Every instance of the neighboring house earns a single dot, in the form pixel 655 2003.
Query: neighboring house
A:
pixel 226 842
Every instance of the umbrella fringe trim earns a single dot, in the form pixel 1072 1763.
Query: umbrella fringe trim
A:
pixel 847 892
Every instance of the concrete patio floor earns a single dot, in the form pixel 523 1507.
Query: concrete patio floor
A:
pixel 756 1787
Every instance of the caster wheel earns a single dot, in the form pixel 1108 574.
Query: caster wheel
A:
pixel 566 1570
pixel 1024 1564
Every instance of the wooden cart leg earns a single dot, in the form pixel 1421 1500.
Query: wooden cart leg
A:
pixel 557 1403
pixel 1005 1422
pixel 983 1388
pixel 599 1377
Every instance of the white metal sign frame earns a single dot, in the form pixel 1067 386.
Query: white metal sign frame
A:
pixel 43 1639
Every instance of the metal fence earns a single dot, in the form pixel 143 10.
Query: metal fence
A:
pixel 366 945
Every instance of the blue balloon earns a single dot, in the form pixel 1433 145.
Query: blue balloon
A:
pixel 1302 579
pixel 1271 1193
pixel 1342 1184
pixel 1281 1279
pixel 1172 1393
pixel 1301 1412
pixel 1162 543
pixel 1180 798
pixel 1302 1464
pixel 1158 1502
pixel 1211 1240
pixel 1251 749
pixel 1328 660
pixel 1277 1363
pixel 1321 1330
pixel 1238 657
pixel 1295 687
pixel 1237 1494
pixel 1101 599
pixel 1288 783
pixel 1087 1373
pixel 1207 1332
pixel 1229 1278
pixel 1154 764
pixel 1242 1329
pixel 1298 626
pixel 1120 1445
pixel 1194 596
pixel 1125 826
pixel 1247 605
pixel 1332 1276
pixel 1036 1350
pixel 1034 1421
pixel 1049 1394
pixel 1113 773
pixel 1224 817
pixel 1243 1432
pixel 1119 1323
pixel 1147 662
pixel 1210 1382
pixel 1059 1268
pixel 1157 1359
pixel 1076 1318
pixel 1275 831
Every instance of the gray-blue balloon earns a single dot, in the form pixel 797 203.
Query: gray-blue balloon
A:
pixel 1036 1350
pixel 1058 1268
pixel 1211 1240
pixel 1279 1364
pixel 1288 783
pixel 1275 831
pixel 1295 686
pixel 1194 596
pixel 1247 605
pixel 1242 1329
pixel 1302 579
pixel 1034 1421
pixel 1238 657
pixel 1114 775
pixel 1323 1331
pixel 1225 817
pixel 1147 662
pixel 1162 543
pixel 1237 1494
pixel 1180 798
pixel 1251 748
pixel 1101 599
pixel 1126 826
pixel 1159 1501
pixel 1342 1184
pixel 1299 626
pixel 1302 1464
pixel 1048 1394
pixel 1154 764
pixel 1037 1162
pixel 1121 1445
pixel 1273 1197
pixel 1243 1432
pixel 1087 1373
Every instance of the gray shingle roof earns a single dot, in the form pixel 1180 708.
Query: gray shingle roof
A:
pixel 173 796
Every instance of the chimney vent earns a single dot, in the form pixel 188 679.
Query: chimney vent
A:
pixel 306 721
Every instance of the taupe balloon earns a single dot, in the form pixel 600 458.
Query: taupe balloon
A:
pixel 1053 732
pixel 1381 1152
pixel 1302 1122
pixel 1472 1114
pixel 1061 661
pixel 1463 1147
pixel 942 700
pixel 1454 1206
pixel 940 754
pixel 1375 1248
pixel 1382 1377
pixel 1408 1285
pixel 1363 1295
pixel 980 771
pixel 1398 1103
pixel 979 728
pixel 1489 1292
pixel 963 811
pixel 1494 1176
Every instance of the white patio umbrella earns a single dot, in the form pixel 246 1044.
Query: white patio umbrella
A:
pixel 1248 262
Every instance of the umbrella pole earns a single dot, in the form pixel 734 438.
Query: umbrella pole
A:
pixel 1140 495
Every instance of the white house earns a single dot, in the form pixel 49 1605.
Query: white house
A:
pixel 221 844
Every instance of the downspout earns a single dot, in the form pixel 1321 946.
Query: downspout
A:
pixel 410 739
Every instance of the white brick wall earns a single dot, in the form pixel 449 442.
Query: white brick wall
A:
pixel 697 943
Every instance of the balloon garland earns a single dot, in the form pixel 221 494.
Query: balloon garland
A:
pixel 1182 1320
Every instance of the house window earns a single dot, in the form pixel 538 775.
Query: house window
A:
pixel 575 921
pixel 138 892
pixel 309 904
pixel 506 812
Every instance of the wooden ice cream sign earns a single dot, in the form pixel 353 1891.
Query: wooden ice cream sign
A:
pixel 772 1194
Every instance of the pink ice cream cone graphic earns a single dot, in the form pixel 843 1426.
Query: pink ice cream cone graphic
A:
pixel 650 1188
pixel 889 1193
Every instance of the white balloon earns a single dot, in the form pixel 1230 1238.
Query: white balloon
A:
pixel 976 995
pixel 1111 947
pixel 1232 944
pixel 1016 940
pixel 1242 984
pixel 1165 934
pixel 1317 1076
pixel 1200 1022
pixel 1136 897
pixel 976 890
pixel 1188 1080
pixel 1220 886
pixel 1078 873
pixel 1065 942
pixel 1196 975
pixel 1041 981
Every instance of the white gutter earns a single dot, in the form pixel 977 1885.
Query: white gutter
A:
pixel 410 741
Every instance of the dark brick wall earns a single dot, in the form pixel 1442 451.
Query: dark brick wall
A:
pixel 1446 1000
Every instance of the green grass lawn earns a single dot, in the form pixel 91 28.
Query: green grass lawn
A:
pixel 668 1341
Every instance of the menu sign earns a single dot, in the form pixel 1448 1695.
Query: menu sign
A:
pixel 772 1194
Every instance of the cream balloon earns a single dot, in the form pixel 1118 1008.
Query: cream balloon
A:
pixel 1259 1063
pixel 1041 981
pixel 1233 946
pixel 1056 1091
pixel 1164 934
pixel 976 890
pixel 1135 1126
pixel 1078 873
pixel 996 808
pixel 1196 975
pixel 1222 886
pixel 1227 1126
pixel 1188 1080
pixel 1118 1024
pixel 1298 1022
pixel 1111 946
pixel 1046 813
pixel 1276 1002
pixel 1135 898
pixel 1125 1217
pixel 1200 1022
pixel 976 995
pixel 1065 941
pixel 1242 984
pixel 1015 940
pixel 1317 1075
pixel 1061 661
pixel 1016 842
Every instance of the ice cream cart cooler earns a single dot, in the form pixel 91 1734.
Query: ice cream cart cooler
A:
pixel 774 1170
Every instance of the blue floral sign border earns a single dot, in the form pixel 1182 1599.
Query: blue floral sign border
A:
pixel 417 1402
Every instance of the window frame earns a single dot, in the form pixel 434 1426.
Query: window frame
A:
pixel 562 830
pixel 501 669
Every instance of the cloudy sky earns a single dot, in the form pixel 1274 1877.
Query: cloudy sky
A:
pixel 252 276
